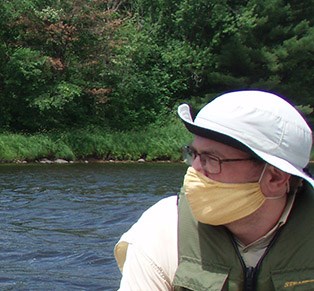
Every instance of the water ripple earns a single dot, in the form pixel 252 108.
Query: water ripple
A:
pixel 59 223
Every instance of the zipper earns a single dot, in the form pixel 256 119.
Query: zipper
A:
pixel 249 279
pixel 250 273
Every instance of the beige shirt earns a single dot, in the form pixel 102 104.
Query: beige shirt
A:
pixel 253 252
pixel 147 253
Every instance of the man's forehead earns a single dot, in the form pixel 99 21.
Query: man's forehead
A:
pixel 205 145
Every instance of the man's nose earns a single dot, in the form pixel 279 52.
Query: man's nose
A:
pixel 197 165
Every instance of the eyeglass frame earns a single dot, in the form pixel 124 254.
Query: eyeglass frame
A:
pixel 191 153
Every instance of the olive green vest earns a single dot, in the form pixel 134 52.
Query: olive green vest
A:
pixel 209 258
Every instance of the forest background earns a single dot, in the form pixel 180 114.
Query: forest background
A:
pixel 102 79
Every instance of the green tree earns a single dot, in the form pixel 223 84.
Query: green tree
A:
pixel 56 59
pixel 230 45
pixel 127 63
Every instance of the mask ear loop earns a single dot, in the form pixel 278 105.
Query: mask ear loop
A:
pixel 262 174
pixel 273 197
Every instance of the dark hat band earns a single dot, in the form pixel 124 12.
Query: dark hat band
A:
pixel 217 136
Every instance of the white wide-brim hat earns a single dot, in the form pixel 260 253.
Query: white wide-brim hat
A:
pixel 260 122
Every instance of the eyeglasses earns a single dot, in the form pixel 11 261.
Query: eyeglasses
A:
pixel 210 163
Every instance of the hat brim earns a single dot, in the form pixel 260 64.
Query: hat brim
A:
pixel 188 119
pixel 216 136
pixel 284 166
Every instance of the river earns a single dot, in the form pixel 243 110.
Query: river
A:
pixel 59 223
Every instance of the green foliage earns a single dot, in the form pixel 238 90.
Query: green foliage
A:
pixel 91 143
pixel 217 46
pixel 140 93
pixel 61 94
pixel 50 14
pixel 158 142
pixel 15 147
pixel 126 64
pixel 25 66
pixel 54 63
pixel 166 142
pixel 306 109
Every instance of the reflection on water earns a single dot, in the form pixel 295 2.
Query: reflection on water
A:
pixel 59 223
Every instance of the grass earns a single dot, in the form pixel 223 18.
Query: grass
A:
pixel 14 147
pixel 152 144
pixel 155 143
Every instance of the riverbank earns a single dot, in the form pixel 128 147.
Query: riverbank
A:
pixel 155 143
pixel 89 161
pixel 94 145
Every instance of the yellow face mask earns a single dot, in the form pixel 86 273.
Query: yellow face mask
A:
pixel 218 203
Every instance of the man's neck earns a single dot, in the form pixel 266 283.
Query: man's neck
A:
pixel 258 224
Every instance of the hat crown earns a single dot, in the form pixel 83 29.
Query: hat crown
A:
pixel 263 122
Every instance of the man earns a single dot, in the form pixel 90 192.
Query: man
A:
pixel 244 217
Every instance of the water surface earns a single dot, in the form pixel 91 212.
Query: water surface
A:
pixel 59 223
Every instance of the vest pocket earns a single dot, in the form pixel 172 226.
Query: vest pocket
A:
pixel 191 275
pixel 293 280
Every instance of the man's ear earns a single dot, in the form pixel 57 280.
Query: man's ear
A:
pixel 276 180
